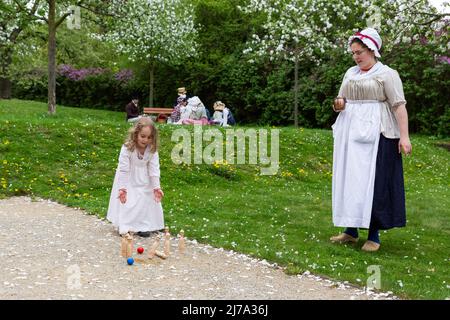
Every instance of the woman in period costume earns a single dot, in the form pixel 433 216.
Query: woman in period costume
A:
pixel 369 135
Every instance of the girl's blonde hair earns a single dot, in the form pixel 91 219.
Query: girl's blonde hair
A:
pixel 131 140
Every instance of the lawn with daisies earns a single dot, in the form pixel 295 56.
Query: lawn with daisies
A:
pixel 285 218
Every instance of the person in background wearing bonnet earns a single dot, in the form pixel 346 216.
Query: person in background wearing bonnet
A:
pixel 370 133
pixel 194 112
pixel 222 115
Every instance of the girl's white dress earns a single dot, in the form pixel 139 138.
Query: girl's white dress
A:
pixel 139 177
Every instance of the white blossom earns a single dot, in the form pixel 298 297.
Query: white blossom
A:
pixel 292 27
pixel 159 30
pixel 296 25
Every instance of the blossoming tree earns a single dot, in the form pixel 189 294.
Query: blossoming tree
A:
pixel 155 31
pixel 300 31
pixel 295 30
pixel 404 21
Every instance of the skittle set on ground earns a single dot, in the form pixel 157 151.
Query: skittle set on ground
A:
pixel 127 247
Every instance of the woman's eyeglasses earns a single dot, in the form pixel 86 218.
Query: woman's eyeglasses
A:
pixel 358 53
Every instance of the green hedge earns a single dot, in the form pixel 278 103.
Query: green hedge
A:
pixel 80 88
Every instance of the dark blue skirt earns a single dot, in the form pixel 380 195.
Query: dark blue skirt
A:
pixel 388 208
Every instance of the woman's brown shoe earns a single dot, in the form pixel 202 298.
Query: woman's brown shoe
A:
pixel 370 246
pixel 344 238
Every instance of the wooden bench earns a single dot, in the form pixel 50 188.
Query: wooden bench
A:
pixel 158 111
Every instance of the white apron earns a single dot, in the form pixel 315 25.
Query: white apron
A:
pixel 356 134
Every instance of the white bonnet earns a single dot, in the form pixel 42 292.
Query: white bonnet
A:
pixel 195 102
pixel 370 38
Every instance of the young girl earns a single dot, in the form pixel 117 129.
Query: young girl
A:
pixel 176 113
pixel 222 115
pixel 134 205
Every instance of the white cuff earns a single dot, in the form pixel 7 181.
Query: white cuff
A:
pixel 154 182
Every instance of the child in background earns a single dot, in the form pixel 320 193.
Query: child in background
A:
pixel 182 93
pixel 222 115
pixel 176 113
pixel 135 201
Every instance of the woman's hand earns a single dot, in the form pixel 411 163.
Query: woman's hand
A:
pixel 401 115
pixel 122 195
pixel 159 194
pixel 404 145
pixel 339 104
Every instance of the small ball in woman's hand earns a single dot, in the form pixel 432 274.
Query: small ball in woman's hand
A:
pixel 339 103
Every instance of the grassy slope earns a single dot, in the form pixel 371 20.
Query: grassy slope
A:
pixel 71 158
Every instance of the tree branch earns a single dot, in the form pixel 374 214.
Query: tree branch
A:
pixel 35 6
pixel 14 34
pixel 96 11
pixel 32 11
pixel 20 6
pixel 64 16
pixel 438 17
pixel 60 20
pixel 82 5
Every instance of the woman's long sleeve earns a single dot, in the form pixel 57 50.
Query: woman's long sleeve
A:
pixel 153 170
pixel 123 169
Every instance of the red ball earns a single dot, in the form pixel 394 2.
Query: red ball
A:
pixel 140 250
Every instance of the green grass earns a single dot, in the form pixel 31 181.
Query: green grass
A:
pixel 71 158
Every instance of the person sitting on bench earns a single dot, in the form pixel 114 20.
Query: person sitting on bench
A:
pixel 132 110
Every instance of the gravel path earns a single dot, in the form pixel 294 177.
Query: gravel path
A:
pixel 49 251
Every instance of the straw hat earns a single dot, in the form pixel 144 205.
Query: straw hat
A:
pixel 182 90
pixel 219 106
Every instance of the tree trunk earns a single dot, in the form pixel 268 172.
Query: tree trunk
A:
pixel 52 57
pixel 5 82
pixel 296 94
pixel 152 79
pixel 5 88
